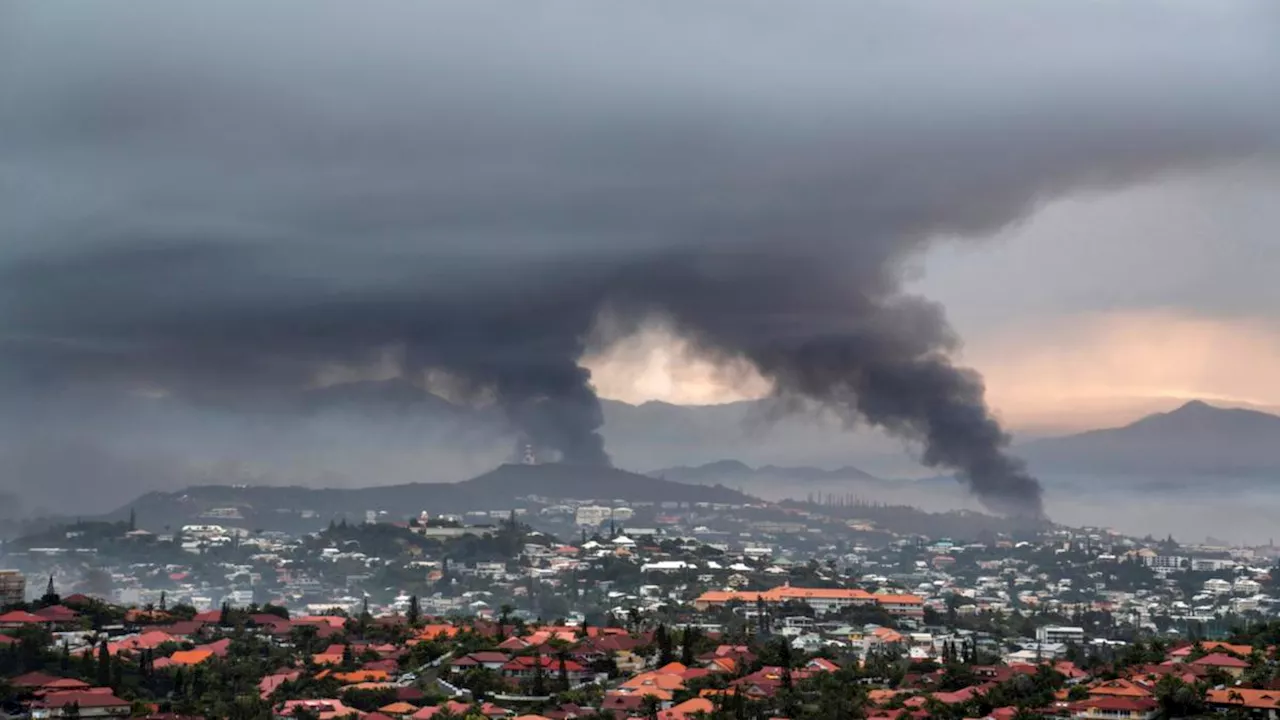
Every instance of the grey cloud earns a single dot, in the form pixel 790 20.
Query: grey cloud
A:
pixel 220 199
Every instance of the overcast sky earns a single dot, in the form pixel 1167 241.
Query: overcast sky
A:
pixel 312 170
pixel 1094 310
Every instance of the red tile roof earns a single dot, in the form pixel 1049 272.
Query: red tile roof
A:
pixel 1221 660
pixel 20 617
pixel 82 698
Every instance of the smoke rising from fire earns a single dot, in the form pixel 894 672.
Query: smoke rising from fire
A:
pixel 222 200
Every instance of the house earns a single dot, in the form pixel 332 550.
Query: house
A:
pixel 1119 687
pixel 452 706
pixel 182 628
pixel 1211 646
pixel 58 614
pixel 326 709
pixel 32 681
pixel 149 640
pixel 822 600
pixel 489 659
pixel 362 676
pixel 1261 703
pixel 271 624
pixel 1114 708
pixel 184 658
pixel 1229 664
pixel 622 706
pixel 92 703
pixel 526 666
pixel 20 618
pixel 688 709
pixel 64 685
pixel 332 655
pixel 268 684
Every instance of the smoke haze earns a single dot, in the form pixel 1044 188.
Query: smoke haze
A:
pixel 222 203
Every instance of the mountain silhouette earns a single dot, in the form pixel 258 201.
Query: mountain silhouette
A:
pixel 1194 439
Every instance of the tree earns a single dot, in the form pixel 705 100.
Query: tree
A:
pixel 539 687
pixel 415 611
pixel 663 640
pixel 50 596
pixel 687 642
pixel 504 619
pixel 562 656
pixel 104 664
pixel 650 706
pixel 1178 698
pixel 133 520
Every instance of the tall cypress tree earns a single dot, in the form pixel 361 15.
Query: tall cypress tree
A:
pixel 663 639
pixel 687 641
pixel 104 665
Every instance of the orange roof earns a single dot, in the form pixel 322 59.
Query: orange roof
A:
pixel 783 593
pixel 888 635
pixel 189 657
pixel 1119 688
pixel 333 621
pixel 149 640
pixel 430 632
pixel 692 706
pixel 879 695
pixel 724 664
pixel 1246 697
pixel 655 680
pixel 359 676
pixel 1214 646
pixel 398 708
pixel 900 599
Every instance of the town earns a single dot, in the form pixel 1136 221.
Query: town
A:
pixel 564 608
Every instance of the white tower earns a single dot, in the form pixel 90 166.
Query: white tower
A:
pixel 529 458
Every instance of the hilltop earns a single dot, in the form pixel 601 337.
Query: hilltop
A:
pixel 270 507
pixel 735 471
pixel 1194 439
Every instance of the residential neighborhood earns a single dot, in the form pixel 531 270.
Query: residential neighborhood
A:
pixel 705 611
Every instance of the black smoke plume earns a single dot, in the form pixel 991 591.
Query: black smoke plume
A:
pixel 223 201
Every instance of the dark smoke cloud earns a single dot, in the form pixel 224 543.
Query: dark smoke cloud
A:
pixel 220 201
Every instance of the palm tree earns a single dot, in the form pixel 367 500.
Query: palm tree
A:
pixel 504 619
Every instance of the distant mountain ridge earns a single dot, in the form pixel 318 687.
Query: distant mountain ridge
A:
pixel 736 470
pixel 501 488
pixel 1194 439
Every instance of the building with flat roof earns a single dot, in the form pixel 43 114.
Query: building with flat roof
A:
pixel 13 587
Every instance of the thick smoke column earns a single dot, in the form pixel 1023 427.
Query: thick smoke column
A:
pixel 221 202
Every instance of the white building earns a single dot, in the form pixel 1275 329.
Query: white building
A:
pixel 1059 634
pixel 1165 562
pixel 1245 586
pixel 592 515
pixel 1217 586
pixel 1212 564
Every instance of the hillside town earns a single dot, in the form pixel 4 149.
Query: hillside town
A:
pixel 567 608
